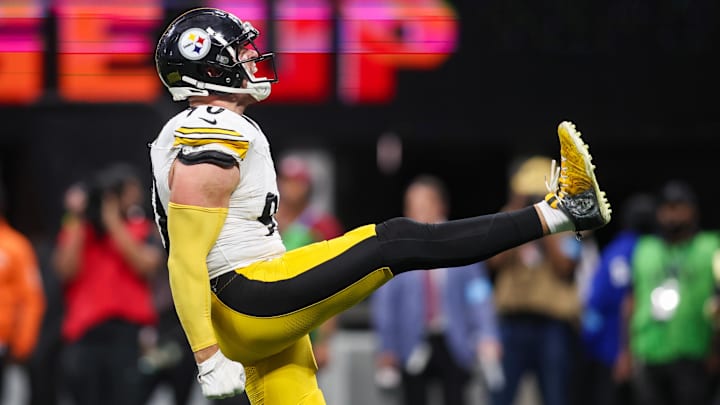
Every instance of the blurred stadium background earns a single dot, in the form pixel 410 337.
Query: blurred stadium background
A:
pixel 382 89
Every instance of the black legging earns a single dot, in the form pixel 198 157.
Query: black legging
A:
pixel 408 245
pixel 400 244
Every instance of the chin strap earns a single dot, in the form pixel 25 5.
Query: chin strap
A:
pixel 259 91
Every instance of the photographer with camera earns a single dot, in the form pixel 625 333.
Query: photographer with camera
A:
pixel 106 255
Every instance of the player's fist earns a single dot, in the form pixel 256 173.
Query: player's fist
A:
pixel 220 377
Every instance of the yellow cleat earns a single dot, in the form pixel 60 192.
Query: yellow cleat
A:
pixel 573 187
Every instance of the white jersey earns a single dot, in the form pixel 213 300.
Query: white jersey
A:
pixel 250 231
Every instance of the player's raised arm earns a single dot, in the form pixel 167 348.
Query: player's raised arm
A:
pixel 199 198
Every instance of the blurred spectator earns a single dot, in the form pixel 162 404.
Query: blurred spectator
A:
pixel 537 300
pixel 670 335
pixel 296 183
pixel 435 325
pixel 107 252
pixel 604 376
pixel 22 301
pixel 301 223
pixel 713 311
pixel 166 359
pixel 587 264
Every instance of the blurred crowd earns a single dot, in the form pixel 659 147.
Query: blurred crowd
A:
pixel 633 321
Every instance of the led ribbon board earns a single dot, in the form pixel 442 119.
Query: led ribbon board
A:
pixel 21 51
pixel 352 49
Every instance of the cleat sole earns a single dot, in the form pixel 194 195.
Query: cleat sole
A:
pixel 576 137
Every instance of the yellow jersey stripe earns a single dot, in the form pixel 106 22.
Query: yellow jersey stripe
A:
pixel 237 146
pixel 217 131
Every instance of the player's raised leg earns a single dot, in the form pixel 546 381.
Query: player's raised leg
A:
pixel 574 203
pixel 272 303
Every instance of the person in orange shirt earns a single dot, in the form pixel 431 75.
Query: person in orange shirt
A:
pixel 22 300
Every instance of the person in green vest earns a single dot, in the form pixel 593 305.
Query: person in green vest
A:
pixel 669 335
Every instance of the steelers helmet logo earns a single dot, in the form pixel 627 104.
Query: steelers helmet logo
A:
pixel 194 43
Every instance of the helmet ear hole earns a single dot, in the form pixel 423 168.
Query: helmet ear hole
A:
pixel 212 71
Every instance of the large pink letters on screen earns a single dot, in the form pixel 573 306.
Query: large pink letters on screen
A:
pixel 21 51
pixel 379 37
pixel 105 49
pixel 352 49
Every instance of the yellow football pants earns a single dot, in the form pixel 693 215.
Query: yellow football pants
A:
pixel 298 292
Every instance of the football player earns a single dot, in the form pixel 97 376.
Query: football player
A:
pixel 247 305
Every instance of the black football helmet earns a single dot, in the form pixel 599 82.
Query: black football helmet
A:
pixel 197 55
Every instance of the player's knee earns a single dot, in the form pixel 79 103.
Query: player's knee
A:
pixel 401 228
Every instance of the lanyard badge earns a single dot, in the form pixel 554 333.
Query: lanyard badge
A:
pixel 665 299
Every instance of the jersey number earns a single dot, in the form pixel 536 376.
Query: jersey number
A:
pixel 268 215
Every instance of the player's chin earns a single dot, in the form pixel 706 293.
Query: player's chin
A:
pixel 244 99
